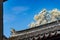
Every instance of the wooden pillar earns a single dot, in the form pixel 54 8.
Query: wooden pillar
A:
pixel 1 20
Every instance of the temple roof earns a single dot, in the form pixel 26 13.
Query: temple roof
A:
pixel 41 26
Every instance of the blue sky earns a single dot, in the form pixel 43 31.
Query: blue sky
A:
pixel 18 14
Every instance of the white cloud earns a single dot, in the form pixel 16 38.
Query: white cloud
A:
pixel 19 9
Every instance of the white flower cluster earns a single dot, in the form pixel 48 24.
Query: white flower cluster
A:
pixel 45 17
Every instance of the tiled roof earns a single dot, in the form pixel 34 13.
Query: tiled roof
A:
pixel 41 26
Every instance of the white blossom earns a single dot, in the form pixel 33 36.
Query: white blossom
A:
pixel 45 16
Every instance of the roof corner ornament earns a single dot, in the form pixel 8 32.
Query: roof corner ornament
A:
pixel 13 31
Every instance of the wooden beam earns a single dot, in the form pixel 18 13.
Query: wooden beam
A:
pixel 1 20
pixel 4 0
